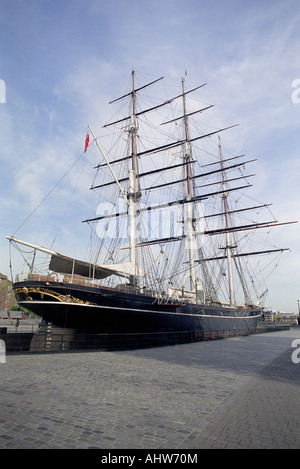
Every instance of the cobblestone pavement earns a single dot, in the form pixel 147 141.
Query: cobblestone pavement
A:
pixel 264 413
pixel 240 392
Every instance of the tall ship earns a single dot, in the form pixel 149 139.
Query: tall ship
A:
pixel 168 249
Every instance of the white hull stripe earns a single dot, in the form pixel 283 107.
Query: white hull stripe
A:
pixel 66 303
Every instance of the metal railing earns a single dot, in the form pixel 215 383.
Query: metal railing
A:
pixel 84 281
pixel 48 340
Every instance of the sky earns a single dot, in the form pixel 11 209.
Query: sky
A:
pixel 62 62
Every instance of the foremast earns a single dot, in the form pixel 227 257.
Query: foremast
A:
pixel 133 194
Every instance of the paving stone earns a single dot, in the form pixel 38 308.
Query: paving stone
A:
pixel 240 392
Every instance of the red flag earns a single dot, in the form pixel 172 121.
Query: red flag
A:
pixel 87 139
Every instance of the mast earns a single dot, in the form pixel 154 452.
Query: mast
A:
pixel 132 196
pixel 228 240
pixel 189 205
pixel 189 179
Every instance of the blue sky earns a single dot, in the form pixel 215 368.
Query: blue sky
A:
pixel 62 62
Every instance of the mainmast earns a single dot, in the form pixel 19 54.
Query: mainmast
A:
pixel 228 238
pixel 133 127
pixel 189 204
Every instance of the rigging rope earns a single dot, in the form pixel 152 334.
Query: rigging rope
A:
pixel 48 194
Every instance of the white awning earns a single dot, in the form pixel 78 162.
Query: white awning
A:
pixel 66 265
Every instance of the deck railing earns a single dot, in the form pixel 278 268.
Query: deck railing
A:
pixel 90 282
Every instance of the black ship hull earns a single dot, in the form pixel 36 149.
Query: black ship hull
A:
pixel 103 310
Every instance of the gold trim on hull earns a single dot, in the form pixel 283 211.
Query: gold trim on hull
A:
pixel 42 292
